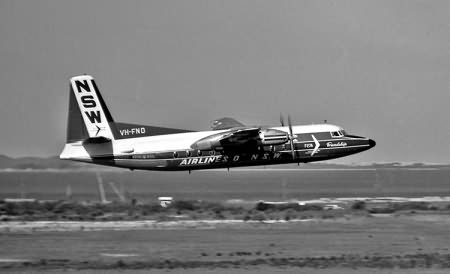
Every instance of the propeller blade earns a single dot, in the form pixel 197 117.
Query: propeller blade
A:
pixel 291 138
pixel 289 123
pixel 281 120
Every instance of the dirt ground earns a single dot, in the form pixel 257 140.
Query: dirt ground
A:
pixel 408 243
pixel 254 270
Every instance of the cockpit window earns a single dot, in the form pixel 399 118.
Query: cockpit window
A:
pixel 337 134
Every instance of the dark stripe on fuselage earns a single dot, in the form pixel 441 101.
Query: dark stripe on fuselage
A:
pixel 190 160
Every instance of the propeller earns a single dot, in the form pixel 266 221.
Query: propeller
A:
pixel 291 138
pixel 281 120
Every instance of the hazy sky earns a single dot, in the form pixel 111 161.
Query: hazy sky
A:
pixel 378 68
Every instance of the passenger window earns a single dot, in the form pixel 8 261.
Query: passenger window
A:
pixel 175 154
pixel 188 153
pixel 199 152
pixel 212 152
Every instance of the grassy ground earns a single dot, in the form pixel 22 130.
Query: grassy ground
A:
pixel 385 244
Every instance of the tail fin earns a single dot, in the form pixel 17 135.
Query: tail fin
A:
pixel 89 118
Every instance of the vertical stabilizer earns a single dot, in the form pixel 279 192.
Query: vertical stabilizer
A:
pixel 88 115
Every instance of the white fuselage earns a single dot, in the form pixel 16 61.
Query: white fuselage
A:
pixel 164 143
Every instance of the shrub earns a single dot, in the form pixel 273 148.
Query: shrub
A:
pixel 11 209
pixel 184 205
pixel 213 206
pixel 359 205
pixel 308 207
pixel 220 216
pixel 414 206
pixel 262 206
pixel 382 210
pixel 259 217
pixel 49 206
pixel 121 264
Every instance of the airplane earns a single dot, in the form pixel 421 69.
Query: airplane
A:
pixel 94 137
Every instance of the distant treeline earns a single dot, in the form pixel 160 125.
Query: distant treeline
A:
pixel 192 210
pixel 38 163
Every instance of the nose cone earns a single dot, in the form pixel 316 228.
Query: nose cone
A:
pixel 372 143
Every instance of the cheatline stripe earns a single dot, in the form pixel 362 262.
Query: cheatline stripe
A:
pixel 218 156
pixel 321 148
pixel 293 169
pixel 331 140
pixel 208 156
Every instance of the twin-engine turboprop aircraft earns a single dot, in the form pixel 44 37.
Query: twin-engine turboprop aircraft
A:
pixel 94 137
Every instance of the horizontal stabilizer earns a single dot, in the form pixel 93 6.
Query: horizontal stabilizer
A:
pixel 96 140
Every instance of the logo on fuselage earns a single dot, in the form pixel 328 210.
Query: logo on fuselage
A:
pixel 225 158
pixel 338 144
pixel 199 160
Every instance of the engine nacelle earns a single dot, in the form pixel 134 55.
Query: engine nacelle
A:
pixel 273 137
pixel 212 142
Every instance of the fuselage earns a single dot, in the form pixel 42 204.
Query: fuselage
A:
pixel 175 151
pixel 94 137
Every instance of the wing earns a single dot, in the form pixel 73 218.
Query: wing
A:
pixel 226 123
pixel 249 138
pixel 226 140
